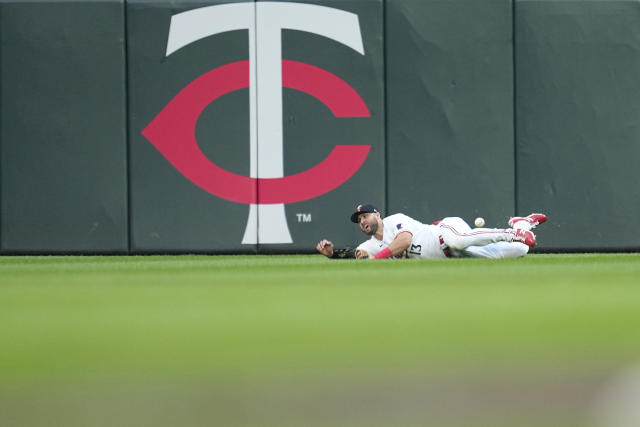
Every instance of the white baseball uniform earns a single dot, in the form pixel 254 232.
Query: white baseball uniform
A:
pixel 450 237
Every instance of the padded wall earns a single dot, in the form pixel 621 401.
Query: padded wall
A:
pixel 62 127
pixel 169 213
pixel 578 131
pixel 312 130
pixel 332 96
pixel 134 140
pixel 449 87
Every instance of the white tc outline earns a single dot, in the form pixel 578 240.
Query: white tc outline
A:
pixel 265 22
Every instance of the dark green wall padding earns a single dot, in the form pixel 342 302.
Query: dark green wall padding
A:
pixel 63 159
pixel 578 120
pixel 449 109
pixel 486 108
pixel 168 212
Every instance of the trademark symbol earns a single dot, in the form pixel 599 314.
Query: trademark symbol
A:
pixel 304 217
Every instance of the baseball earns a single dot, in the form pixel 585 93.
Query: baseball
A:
pixel 479 222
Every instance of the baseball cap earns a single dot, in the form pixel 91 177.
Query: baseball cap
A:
pixel 365 208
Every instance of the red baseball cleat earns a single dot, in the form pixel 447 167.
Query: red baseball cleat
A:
pixel 533 219
pixel 523 236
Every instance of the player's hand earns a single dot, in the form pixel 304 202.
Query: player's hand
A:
pixel 362 254
pixel 325 247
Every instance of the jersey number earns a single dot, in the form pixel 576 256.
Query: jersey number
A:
pixel 415 249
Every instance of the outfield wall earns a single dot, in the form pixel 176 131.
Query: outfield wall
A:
pixel 148 126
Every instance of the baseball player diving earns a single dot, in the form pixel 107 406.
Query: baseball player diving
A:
pixel 399 236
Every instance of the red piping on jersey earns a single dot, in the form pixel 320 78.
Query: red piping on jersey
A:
pixel 446 249
pixel 473 233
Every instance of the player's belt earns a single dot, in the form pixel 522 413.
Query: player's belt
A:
pixel 444 247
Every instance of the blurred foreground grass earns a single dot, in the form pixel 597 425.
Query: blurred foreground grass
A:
pixel 302 340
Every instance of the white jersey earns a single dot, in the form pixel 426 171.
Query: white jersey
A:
pixel 452 235
pixel 425 238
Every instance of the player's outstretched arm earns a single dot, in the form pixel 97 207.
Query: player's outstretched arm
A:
pixel 397 246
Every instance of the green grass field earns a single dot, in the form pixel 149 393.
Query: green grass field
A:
pixel 302 340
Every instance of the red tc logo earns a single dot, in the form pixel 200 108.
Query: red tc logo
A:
pixel 172 131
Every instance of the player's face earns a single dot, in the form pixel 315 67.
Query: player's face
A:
pixel 368 223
